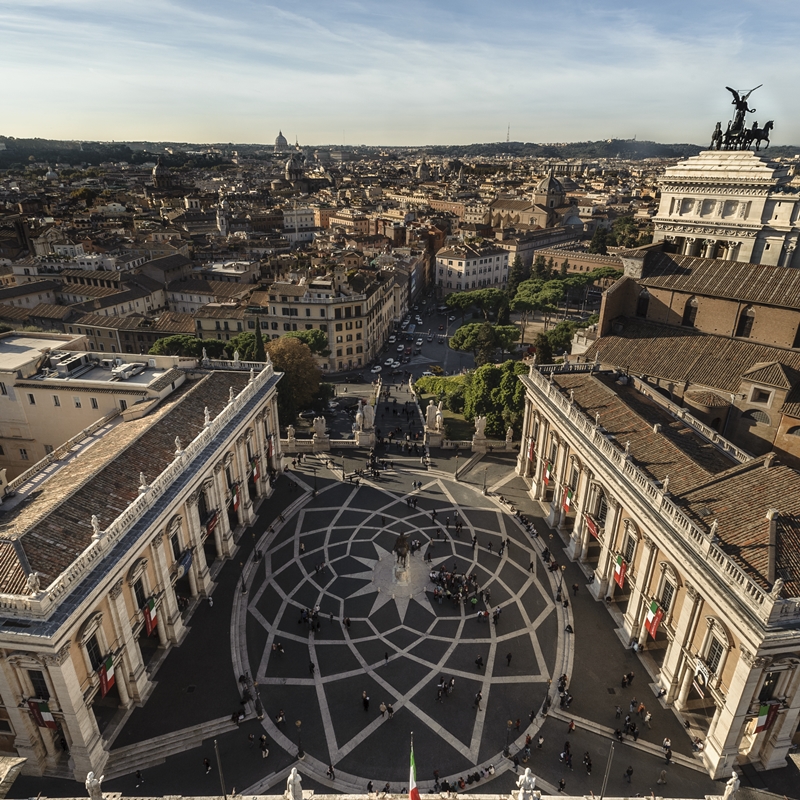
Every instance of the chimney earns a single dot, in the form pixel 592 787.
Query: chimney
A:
pixel 770 457
pixel 772 551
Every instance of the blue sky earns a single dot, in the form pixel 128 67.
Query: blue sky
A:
pixel 414 72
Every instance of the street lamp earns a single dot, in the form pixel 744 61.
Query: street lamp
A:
pixel 300 753
pixel 507 749
pixel 456 473
pixel 258 705
pixel 314 469
pixel 344 474
pixel 484 479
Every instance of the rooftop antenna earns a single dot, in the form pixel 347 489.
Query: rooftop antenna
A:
pixel 508 133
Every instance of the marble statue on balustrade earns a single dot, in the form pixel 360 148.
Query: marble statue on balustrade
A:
pixel 319 427
pixel 369 416
pixel 480 427
pixel 526 784
pixel 290 432
pixel 32 584
pixel 359 426
pixel 440 418
pixel 97 531
pixel 509 435
pixel 294 786
pixel 731 787
pixel 93 786
pixel 430 416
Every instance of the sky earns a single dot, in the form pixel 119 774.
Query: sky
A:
pixel 394 73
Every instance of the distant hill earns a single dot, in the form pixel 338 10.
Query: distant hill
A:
pixel 18 152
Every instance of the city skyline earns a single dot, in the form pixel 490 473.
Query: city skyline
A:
pixel 361 73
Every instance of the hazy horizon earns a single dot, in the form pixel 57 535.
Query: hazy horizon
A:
pixel 415 74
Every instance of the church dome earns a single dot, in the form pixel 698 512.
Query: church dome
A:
pixel 549 185
pixel 280 142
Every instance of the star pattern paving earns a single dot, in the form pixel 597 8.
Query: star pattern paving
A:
pixel 336 554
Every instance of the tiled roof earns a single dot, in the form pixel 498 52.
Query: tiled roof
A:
pixel 224 289
pixel 54 524
pixel 708 399
pixel 773 374
pixel 51 311
pixel 683 355
pixel 174 322
pixel 739 501
pixel 128 323
pixel 14 313
pixel 629 416
pixel 166 379
pixel 733 280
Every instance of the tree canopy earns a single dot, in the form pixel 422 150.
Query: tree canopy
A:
pixel 187 346
pixel 301 376
pixel 316 340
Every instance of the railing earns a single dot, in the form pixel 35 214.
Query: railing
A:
pixel 681 413
pixel 653 496
pixel 40 604
pixel 218 363
pixel 567 367
pixel 60 452
pixel 457 444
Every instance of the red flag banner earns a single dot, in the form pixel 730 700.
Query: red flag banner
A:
pixel 620 568
pixel 107 677
pixel 592 526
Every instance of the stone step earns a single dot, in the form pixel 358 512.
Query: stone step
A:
pixel 151 752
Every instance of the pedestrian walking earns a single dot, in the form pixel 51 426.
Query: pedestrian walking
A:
pixel 251 737
pixel 382 708
pixel 207 765
pixel 666 744
pixel 641 710
pixel 508 659
pixel 647 717
pixel 575 588
pixel 139 778
pixel 210 601
pixel 629 676
pixel 635 732
pixel 628 773
pixel 386 658
pixel 517 723
pixel 390 710
pixel 365 701
pixel 540 742
pixel 587 762
pixel 561 784
pixel 312 668
pixel 264 748
pixel 515 761
pixel 478 698
pixel 668 756
pixel 479 663
pixel 633 706
pixel 571 727
pixel 330 773
pixel 618 712
pixel 370 787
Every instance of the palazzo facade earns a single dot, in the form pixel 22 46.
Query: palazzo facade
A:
pixel 689 541
pixel 104 559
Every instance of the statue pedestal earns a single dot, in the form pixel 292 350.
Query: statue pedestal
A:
pixel 322 444
pixel 401 575
pixel 365 438
pixel 480 444
pixel 433 438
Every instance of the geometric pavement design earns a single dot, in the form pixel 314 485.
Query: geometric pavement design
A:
pixel 400 640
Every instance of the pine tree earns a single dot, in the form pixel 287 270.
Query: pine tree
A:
pixel 260 352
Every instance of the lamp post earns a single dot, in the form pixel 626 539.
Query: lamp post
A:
pixel 314 469
pixel 506 749
pixel 484 479
pixel 561 577
pixel 608 769
pixel 219 767
pixel 300 753
pixel 344 475
pixel 456 473
pixel 258 705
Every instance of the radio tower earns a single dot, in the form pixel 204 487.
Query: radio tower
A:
pixel 508 133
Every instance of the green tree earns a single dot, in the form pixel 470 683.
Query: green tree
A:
pixel 539 267
pixel 245 344
pixel 316 340
pixel 260 353
pixel 186 346
pixel 505 336
pixel 544 352
pixel 599 243
pixel 301 376
pixel 551 267
pixel 476 338
pixel 516 274
pixel 459 301
pixel 503 315
pixel 487 300
pixel 564 267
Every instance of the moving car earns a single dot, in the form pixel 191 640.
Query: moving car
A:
pixel 419 342
pixel 430 337
pixel 452 318
pixel 400 348
pixel 376 369
pixel 441 327
pixel 392 339
pixel 427 374
pixel 395 364
pixel 388 362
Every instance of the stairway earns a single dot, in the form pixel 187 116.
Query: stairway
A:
pixel 148 753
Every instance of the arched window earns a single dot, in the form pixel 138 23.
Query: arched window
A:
pixel 745 325
pixel 643 303
pixel 757 416
pixel 690 312
pixel 795 431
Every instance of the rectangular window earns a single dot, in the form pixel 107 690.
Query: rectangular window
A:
pixel 93 401
pixel 56 401
pixel 287 326
pixel 31 400
pixel 338 326
pixel 39 684
pixel 23 454
pixel 176 546
pixel 770 686
pixel 3 389
pixel 48 448
pixel 323 328
pixel 630 548
pixel 338 351
pixel 274 326
pixel 715 652
pixel 667 596
pixel 77 402
pixel 93 651
pixel 308 312
pixel 123 404
pixel 760 396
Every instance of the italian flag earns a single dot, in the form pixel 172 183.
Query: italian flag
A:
pixel 413 792
pixel 547 473
pixel 531 449
pixel 653 618
pixel 567 499
pixel 107 679
pixel 42 714
pixel 236 499
pixel 619 571
pixel 150 615
pixel 766 716
pixel 255 469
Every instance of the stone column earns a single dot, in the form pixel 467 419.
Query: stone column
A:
pixel 246 515
pixel 522 460
pixel 538 486
pixel 86 744
pixel 30 741
pixel 194 535
pixel 168 610
pixel 779 737
pixel 685 684
pixel 684 633
pixel 708 247
pixel 131 656
pixel 554 512
pixel 605 566
pixel 225 543
pixel 722 741
pixel 580 532
pixel 641 590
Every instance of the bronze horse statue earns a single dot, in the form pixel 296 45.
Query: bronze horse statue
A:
pixel 401 550
pixel 758 135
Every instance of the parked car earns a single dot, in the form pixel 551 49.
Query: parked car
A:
pixel 419 342
pixel 388 362
pixel 452 318
pixel 430 337
pixel 376 369
pixel 392 339
pixel 400 348
pixel 427 374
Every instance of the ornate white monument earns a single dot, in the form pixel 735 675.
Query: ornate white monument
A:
pixel 294 786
